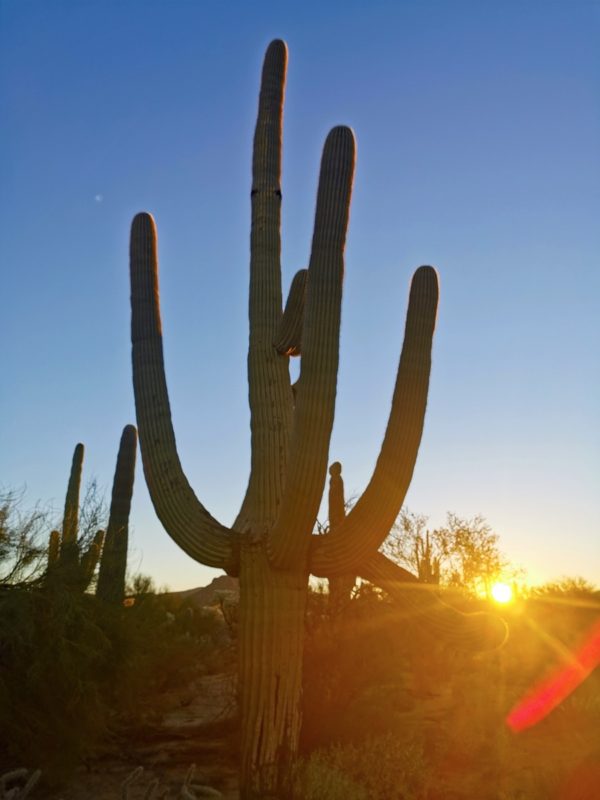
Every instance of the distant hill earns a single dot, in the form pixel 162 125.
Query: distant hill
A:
pixel 203 595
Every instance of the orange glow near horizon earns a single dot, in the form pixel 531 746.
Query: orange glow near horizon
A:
pixel 551 692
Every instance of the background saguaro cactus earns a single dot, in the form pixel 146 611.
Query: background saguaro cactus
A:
pixel 113 564
pixel 428 566
pixel 270 544
pixel 69 559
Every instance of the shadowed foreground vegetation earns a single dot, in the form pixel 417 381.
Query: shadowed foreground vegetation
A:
pixel 78 676
pixel 392 714
pixel 389 711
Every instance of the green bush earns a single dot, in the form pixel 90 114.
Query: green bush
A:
pixel 54 659
pixel 74 672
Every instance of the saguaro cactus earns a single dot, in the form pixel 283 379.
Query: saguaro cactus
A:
pixel 113 564
pixel 270 545
pixel 428 566
pixel 67 560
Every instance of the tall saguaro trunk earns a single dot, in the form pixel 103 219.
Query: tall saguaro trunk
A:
pixel 271 634
pixel 271 544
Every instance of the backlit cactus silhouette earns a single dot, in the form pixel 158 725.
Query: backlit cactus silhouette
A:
pixel 428 566
pixel 68 561
pixel 271 544
pixel 113 564
pixel 340 586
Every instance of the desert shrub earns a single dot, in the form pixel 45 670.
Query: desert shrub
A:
pixel 23 540
pixel 380 768
pixel 319 778
pixel 54 655
pixel 75 672
pixel 378 676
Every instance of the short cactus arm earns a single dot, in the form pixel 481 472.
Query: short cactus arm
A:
pixel 68 545
pixel 183 516
pixel 270 395
pixel 340 586
pixel 89 561
pixel 315 400
pixel 371 519
pixel 477 631
pixel 289 336
pixel 113 564
pixel 337 500
pixel 53 548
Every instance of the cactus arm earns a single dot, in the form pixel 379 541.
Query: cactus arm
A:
pixel 340 586
pixel 113 564
pixel 315 400
pixel 89 561
pixel 478 631
pixel 288 341
pixel 270 395
pixel 183 516
pixel 371 519
pixel 68 545
pixel 53 549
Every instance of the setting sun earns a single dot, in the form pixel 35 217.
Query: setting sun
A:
pixel 502 593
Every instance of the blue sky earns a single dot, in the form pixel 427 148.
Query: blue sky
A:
pixel 478 129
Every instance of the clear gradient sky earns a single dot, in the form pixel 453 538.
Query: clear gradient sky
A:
pixel 478 129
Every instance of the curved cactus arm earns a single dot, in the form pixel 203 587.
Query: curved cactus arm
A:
pixel 270 395
pixel 68 544
pixel 371 519
pixel 183 516
pixel 315 399
pixel 113 564
pixel 288 341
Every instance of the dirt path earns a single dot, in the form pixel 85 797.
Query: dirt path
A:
pixel 196 728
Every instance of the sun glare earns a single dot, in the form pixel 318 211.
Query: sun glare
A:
pixel 502 593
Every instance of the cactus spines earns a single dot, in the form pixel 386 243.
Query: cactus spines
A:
pixel 270 544
pixel 111 576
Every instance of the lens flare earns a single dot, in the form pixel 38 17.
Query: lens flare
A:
pixel 502 593
pixel 551 692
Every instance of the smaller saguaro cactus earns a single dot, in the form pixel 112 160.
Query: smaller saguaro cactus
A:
pixel 68 560
pixel 113 565
pixel 428 567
